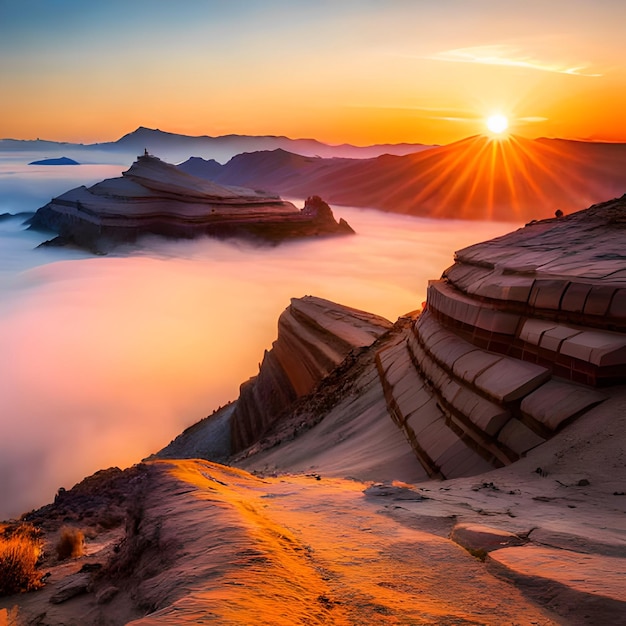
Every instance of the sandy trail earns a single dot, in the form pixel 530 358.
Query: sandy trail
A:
pixel 299 550
pixel 213 544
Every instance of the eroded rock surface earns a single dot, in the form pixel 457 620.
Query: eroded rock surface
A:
pixel 154 197
pixel 484 378
pixel 514 344
pixel 314 337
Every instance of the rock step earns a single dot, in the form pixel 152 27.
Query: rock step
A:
pixel 391 359
pixel 502 379
pixel 557 403
pixel 438 444
pixel 469 311
pixel 505 405
pixel 602 305
pixel 600 348
pixel 467 413
pixel 490 283
pixel 569 582
pixel 590 356
pixel 545 407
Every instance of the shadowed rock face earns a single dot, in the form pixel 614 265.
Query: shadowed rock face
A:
pixel 314 336
pixel 154 197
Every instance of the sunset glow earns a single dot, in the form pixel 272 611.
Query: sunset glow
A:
pixel 386 72
pixel 272 272
pixel 497 124
pixel 507 178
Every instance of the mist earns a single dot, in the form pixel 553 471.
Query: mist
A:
pixel 106 359
pixel 26 187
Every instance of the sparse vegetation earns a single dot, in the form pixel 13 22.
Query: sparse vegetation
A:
pixel 479 553
pixel 71 543
pixel 20 549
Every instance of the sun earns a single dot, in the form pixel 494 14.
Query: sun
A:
pixel 497 124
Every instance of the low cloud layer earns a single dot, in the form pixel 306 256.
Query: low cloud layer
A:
pixel 106 359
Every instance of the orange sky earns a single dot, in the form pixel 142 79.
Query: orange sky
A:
pixel 342 71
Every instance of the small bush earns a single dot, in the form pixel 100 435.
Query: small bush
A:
pixel 71 543
pixel 19 553
pixel 479 553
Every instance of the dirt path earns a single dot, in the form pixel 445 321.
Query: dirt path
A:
pixel 321 552
pixel 212 544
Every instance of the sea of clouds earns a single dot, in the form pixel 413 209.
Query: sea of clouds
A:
pixel 104 360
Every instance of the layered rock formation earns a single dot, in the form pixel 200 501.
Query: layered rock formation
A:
pixel 154 197
pixel 515 338
pixel 314 336
pixel 521 336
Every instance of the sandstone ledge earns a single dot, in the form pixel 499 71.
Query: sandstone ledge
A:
pixel 487 373
pixel 314 337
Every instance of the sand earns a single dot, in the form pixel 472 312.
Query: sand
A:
pixel 219 545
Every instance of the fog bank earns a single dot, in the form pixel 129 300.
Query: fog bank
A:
pixel 106 359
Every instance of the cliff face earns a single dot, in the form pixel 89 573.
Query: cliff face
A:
pixel 314 336
pixel 154 197
pixel 520 337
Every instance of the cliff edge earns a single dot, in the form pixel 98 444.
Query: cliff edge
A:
pixel 518 339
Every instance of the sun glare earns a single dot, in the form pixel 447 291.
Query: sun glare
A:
pixel 497 124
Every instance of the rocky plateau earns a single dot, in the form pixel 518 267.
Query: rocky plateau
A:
pixel 155 198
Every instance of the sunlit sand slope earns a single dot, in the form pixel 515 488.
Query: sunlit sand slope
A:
pixel 296 550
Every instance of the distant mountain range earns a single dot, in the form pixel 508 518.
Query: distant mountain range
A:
pixel 513 179
pixel 174 148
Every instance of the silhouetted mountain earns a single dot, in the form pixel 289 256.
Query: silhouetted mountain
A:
pixel 56 161
pixel 270 169
pixel 197 166
pixel 476 178
pixel 175 147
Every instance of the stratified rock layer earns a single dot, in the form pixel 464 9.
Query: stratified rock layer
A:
pixel 314 336
pixel 515 339
pixel 154 197
pixel 521 336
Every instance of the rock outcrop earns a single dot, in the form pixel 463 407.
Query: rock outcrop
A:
pixel 314 336
pixel 520 337
pixel 154 197
pixel 515 340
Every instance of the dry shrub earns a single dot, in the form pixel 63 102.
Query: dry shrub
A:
pixel 71 543
pixel 19 552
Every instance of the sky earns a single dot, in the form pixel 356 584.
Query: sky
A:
pixel 355 71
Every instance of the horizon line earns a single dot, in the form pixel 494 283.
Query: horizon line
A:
pixel 332 145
